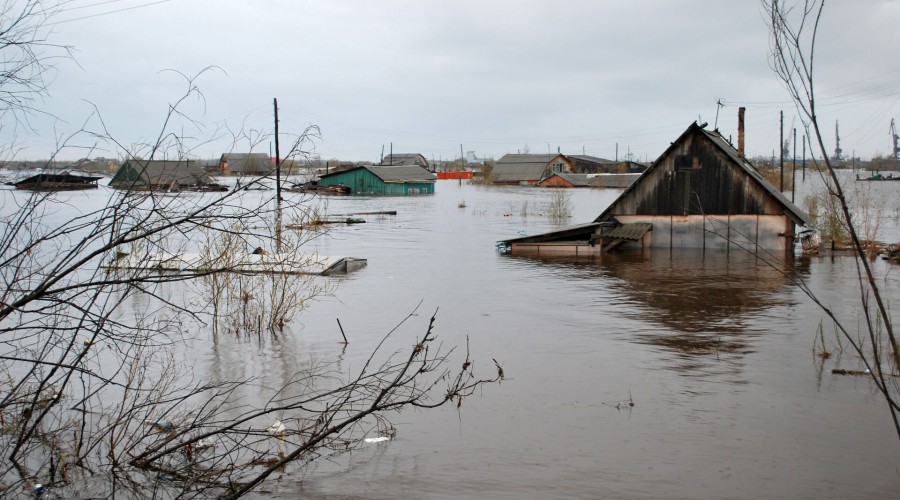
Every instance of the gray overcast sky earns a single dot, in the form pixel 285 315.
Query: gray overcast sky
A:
pixel 495 76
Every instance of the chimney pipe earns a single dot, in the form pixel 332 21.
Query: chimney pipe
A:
pixel 740 149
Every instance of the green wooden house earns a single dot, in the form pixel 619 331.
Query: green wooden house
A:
pixel 383 180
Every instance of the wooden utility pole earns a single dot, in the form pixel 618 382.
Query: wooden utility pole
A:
pixel 804 158
pixel 781 156
pixel 794 167
pixel 277 156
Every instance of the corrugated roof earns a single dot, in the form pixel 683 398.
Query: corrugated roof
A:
pixel 631 232
pixel 402 173
pixel 517 172
pixel 525 158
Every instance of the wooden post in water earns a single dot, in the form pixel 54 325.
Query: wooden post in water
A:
pixel 342 331
pixel 277 183
pixel 277 156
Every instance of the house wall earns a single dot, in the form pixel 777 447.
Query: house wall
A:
pixel 735 232
pixel 556 249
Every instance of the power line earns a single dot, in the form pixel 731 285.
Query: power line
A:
pixel 99 14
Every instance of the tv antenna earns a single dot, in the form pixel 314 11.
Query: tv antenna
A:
pixel 719 105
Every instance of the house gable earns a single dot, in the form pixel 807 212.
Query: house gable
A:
pixel 701 174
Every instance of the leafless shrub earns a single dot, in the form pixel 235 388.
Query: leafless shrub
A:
pixel 793 28
pixel 92 389
pixel 560 206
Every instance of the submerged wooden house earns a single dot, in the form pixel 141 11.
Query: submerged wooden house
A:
pixel 700 193
pixel 516 169
pixel 163 175
pixel 246 164
pixel 381 180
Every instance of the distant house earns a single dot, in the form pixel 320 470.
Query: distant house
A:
pixel 528 169
pixel 172 175
pixel 404 159
pixel 382 180
pixel 246 164
pixel 700 193
pixel 564 180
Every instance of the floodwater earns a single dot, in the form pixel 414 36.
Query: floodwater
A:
pixel 714 350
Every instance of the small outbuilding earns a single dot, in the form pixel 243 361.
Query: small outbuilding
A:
pixel 382 180
pixel 700 193
pixel 163 175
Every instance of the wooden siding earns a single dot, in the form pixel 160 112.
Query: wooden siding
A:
pixel 696 178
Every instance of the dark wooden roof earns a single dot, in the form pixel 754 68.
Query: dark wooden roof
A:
pixel 570 233
pixel 58 181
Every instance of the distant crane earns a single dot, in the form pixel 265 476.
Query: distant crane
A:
pixel 838 152
pixel 895 137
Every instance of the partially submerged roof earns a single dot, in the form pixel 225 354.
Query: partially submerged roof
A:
pixel 579 180
pixel 243 163
pixel 521 167
pixel 578 232
pixel 797 215
pixel 160 173
pixel 399 174
pixel 395 159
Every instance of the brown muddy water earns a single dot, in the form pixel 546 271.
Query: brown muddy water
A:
pixel 715 351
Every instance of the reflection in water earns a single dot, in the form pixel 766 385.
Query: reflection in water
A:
pixel 699 307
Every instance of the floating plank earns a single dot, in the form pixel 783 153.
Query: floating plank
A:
pixel 245 263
